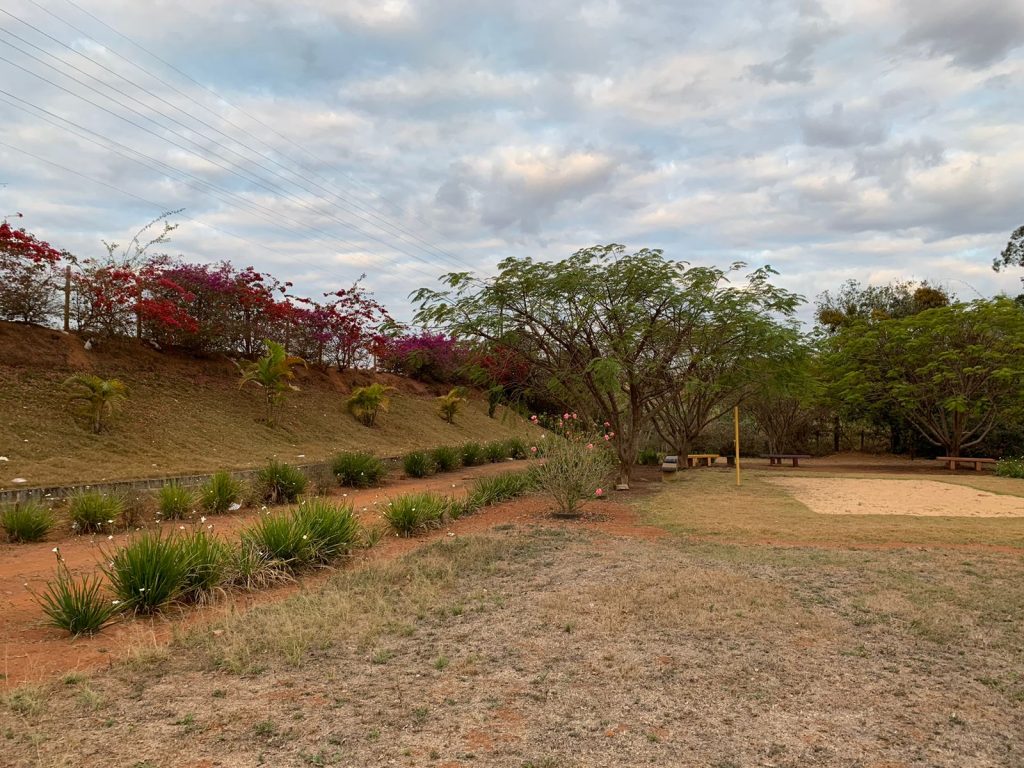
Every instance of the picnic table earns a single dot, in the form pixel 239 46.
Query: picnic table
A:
pixel 671 463
pixel 952 461
pixel 778 458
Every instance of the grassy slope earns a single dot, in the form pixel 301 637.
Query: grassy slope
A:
pixel 185 415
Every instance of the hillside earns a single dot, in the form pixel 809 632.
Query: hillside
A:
pixel 185 415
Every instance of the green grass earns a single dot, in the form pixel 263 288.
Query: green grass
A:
pixel 147 573
pixel 358 469
pixel 472 454
pixel 26 522
pixel 496 450
pixel 92 511
pixel 446 458
pixel 220 492
pixel 279 483
pixel 209 560
pixel 418 464
pixel 80 606
pixel 498 488
pixel 332 529
pixel 175 501
pixel 415 512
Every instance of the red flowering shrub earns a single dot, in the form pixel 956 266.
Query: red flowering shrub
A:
pixel 29 278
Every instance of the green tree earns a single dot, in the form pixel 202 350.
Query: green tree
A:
pixel 1013 254
pixel 273 373
pixel 95 397
pixel 853 303
pixel 952 372
pixel 601 328
pixel 365 403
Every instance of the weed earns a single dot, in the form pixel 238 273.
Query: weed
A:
pixel 91 511
pixel 147 573
pixel 648 457
pixel 418 464
pixel 78 606
pixel 441 662
pixel 358 469
pixel 219 493
pixel 175 501
pixel 279 483
pixel 251 569
pixel 26 522
pixel 446 458
pixel 414 512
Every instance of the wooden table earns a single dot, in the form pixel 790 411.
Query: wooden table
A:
pixel 701 459
pixel 952 461
pixel 778 458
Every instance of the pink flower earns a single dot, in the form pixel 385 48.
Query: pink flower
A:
pixel 599 492
pixel 611 434
pixel 607 423
pixel 533 449
pixel 574 415
pixel 590 446
pixel 565 416
pixel 607 437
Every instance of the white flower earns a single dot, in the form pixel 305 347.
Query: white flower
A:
pixel 202 519
pixel 110 521
pixel 115 602
pixel 56 549
pixel 142 589
pixel 110 538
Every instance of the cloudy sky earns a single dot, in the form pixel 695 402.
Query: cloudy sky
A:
pixel 319 139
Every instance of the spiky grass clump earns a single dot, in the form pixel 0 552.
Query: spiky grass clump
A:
pixel 282 540
pixel 79 606
pixel 418 464
pixel 175 501
pixel 358 469
pixel 26 522
pixel 496 451
pixel 415 512
pixel 279 483
pixel 219 493
pixel 92 511
pixel 493 490
pixel 251 569
pixel 517 448
pixel 446 458
pixel 332 529
pixel 148 573
pixel 472 454
pixel 209 560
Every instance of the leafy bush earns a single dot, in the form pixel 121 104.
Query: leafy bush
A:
pixel 147 573
pixel 282 539
pixel 209 559
pixel 333 529
pixel 279 483
pixel 219 493
pixel 91 511
pixel 26 522
pixel 648 457
pixel 498 488
pixel 79 606
pixel 449 405
pixel 365 403
pixel 496 451
pixel 1010 467
pixel 175 501
pixel 573 470
pixel 418 464
pixel 446 458
pixel 517 448
pixel 414 512
pixel 472 454
pixel 358 470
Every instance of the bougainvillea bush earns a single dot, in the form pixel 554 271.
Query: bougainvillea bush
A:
pixel 29 276
pixel 431 357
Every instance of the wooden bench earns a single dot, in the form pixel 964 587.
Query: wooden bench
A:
pixel 701 459
pixel 952 461
pixel 777 458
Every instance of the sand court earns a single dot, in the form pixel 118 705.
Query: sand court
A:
pixel 869 496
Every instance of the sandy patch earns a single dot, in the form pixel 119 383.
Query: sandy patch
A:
pixel 856 496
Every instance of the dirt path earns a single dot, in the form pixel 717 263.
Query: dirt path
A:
pixel 32 652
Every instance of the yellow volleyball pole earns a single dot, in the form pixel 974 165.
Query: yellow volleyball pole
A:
pixel 736 425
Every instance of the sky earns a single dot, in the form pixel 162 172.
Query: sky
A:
pixel 323 139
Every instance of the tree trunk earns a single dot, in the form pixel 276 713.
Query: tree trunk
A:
pixel 682 451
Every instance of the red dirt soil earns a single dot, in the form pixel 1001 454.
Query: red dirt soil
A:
pixel 34 652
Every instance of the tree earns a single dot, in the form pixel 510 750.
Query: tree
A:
pixel 273 373
pixel 952 372
pixel 786 403
pixel 28 276
pixel 602 328
pixel 96 397
pixel 366 402
pixel 854 303
pixel 1013 254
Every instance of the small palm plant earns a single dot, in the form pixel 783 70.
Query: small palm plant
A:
pixel 449 405
pixel 273 372
pixel 95 397
pixel 366 402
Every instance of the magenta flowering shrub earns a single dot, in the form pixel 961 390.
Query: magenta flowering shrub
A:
pixel 425 356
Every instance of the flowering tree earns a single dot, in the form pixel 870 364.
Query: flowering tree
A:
pixel 343 331
pixel 28 276
pixel 435 357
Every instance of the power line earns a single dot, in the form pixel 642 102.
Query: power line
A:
pixel 380 221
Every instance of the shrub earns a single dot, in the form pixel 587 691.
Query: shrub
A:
pixel 358 470
pixel 498 488
pixel 1010 467
pixel 418 464
pixel 279 483
pixel 648 457
pixel 365 403
pixel 496 451
pixel 332 529
pixel 517 448
pixel 219 493
pixel 209 559
pixel 90 511
pixel 175 501
pixel 95 397
pixel 414 512
pixel 446 458
pixel 282 539
pixel 147 573
pixel 448 405
pixel 79 606
pixel 573 470
pixel 472 454
pixel 26 522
